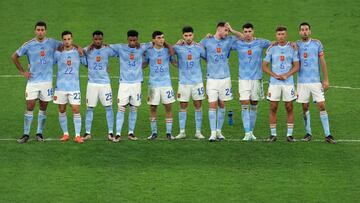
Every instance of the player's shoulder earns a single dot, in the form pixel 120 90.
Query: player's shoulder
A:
pixel 29 42
pixel 317 41
pixel 271 47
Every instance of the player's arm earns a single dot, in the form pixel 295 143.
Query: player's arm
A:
pixel 236 33
pixel 325 82
pixel 15 59
pixel 294 69
pixel 266 69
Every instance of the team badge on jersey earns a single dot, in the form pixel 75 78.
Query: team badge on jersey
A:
pixel 218 49
pixel 159 61
pixel 282 58
pixel 132 56
pixel 249 52
pixel 42 53
pixel 98 58
pixel 305 55
pixel 189 57
pixel 68 62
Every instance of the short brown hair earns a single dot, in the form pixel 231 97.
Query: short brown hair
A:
pixel 281 28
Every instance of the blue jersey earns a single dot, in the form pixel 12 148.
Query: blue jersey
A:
pixel 130 60
pixel 281 59
pixel 159 63
pixel 189 61
pixel 98 62
pixel 40 57
pixel 68 74
pixel 250 57
pixel 309 53
pixel 217 54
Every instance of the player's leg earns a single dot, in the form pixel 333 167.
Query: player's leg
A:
pixel 257 94
pixel 119 122
pixel 63 122
pixel 183 95
pixel 105 97
pixel 303 91
pixel 274 96
pixel 244 97
pixel 220 119
pixel 92 95
pixel 213 96
pixel 28 117
pixel 77 122
pixel 225 94
pixel 182 119
pixel 198 118
pixel 135 101
pixel 290 120
pixel 153 101
pixel 253 115
pixel 168 97
pixel 45 95
pixel 325 122
pixel 122 101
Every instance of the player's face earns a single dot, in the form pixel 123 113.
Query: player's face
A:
pixel 188 37
pixel 281 36
pixel 40 32
pixel 132 40
pixel 97 40
pixel 67 40
pixel 159 40
pixel 305 32
pixel 248 33
pixel 223 31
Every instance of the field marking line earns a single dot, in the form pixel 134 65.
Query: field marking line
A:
pixel 176 78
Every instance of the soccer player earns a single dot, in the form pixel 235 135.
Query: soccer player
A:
pixel 311 54
pixel 250 51
pixel 40 54
pixel 67 84
pixel 218 84
pixel 131 76
pixel 284 63
pixel 190 80
pixel 160 89
pixel 97 56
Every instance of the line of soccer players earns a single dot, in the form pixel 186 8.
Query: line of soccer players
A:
pixel 282 60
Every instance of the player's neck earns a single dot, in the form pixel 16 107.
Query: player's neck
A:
pixel 249 40
pixel 307 39
pixel 40 39
pixel 189 43
pixel 217 36
pixel 158 46
pixel 68 48
pixel 282 43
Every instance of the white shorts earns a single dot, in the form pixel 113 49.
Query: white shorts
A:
pixel 287 91
pixel 165 94
pixel 129 93
pixel 219 89
pixel 42 91
pixel 311 89
pixel 196 92
pixel 98 91
pixel 251 90
pixel 64 97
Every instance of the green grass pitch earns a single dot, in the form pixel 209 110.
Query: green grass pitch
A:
pixel 189 170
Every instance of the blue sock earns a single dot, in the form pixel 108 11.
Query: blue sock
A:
pixel 132 119
pixel 273 129
pixel 28 117
pixel 169 122
pixel 290 129
pixel 110 118
pixel 120 120
pixel 245 114
pixel 153 125
pixel 41 121
pixel 325 122
pixel 253 114
pixel 220 118
pixel 63 122
pixel 89 118
pixel 307 122
pixel 212 119
pixel 77 124
pixel 182 119
pixel 198 119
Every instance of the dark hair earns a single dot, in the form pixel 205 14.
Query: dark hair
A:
pixel 221 24
pixel 187 29
pixel 40 23
pixel 98 32
pixel 248 25
pixel 156 33
pixel 66 32
pixel 304 23
pixel 132 33
pixel 281 28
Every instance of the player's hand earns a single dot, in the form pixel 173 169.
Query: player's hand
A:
pixel 276 76
pixel 137 45
pixel 227 25
pixel 294 46
pixel 26 74
pixel 209 35
pixel 283 77
pixel 80 51
pixel 325 85
pixel 91 47
pixel 180 42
